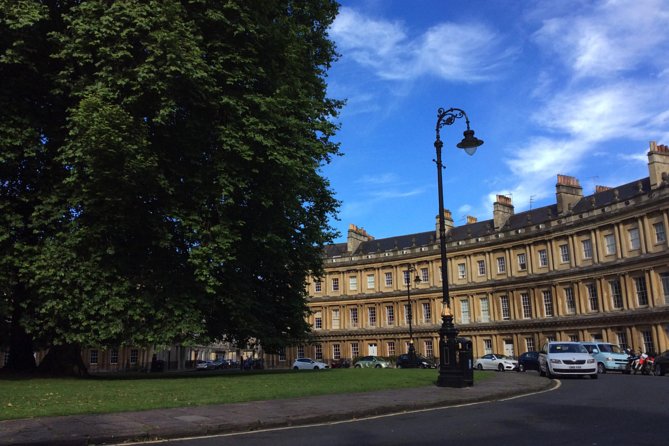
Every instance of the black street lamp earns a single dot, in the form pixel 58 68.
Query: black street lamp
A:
pixel 413 359
pixel 451 373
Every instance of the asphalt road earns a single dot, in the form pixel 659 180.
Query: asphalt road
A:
pixel 612 410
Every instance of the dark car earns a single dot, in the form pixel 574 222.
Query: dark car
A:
pixel 403 362
pixel 528 361
pixel 340 363
pixel 661 365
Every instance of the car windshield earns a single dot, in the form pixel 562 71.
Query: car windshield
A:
pixel 567 348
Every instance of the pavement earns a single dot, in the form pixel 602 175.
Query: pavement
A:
pixel 117 428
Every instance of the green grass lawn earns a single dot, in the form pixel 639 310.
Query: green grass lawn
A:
pixel 39 397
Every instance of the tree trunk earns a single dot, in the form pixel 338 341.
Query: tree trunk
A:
pixel 21 352
pixel 63 360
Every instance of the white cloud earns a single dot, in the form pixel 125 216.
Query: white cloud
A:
pixel 384 47
pixel 384 178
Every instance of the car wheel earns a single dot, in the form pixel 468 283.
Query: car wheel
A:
pixel 500 367
pixel 659 371
pixel 480 367
pixel 358 366
pixel 377 366
pixel 521 368
pixel 399 366
pixel 549 375
pixel 316 368
pixel 601 368
pixel 296 368
pixel 541 372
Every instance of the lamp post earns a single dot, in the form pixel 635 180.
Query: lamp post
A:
pixel 413 359
pixel 451 374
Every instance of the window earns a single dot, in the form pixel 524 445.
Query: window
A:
pixel 550 338
pixel 336 351
pixel 390 315
pixel 501 265
pixel 564 253
pixel 335 284
pixel 548 303
pixel 487 346
pixel 391 348
pixel 647 337
pixel 664 278
pixel 641 293
pixel 660 234
pixel 573 338
pixel 318 320
pixel 429 348
pixel 113 356
pixel 318 351
pixel 353 283
pixel 134 354
pixel 318 286
pixel 93 357
pixel 616 294
pixel 506 311
pixel 407 278
pixel 282 354
pixel 527 305
pixel 370 281
pixel 592 296
pixel 481 267
pixel 424 275
pixel 622 339
pixel 587 249
pixel 371 316
pixel 543 258
pixel 610 242
pixel 355 350
pixel 485 310
pixel 634 238
pixel 570 302
pixel 464 311
pixel 461 271
pixel 522 262
pixel 300 351
pixel 427 313
pixel 335 318
pixel 389 279
pixel 529 344
pixel 354 317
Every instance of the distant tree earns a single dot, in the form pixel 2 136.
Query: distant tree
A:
pixel 178 193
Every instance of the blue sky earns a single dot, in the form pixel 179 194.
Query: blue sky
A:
pixel 572 87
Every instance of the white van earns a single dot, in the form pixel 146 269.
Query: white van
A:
pixel 609 357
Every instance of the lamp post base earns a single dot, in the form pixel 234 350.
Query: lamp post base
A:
pixel 455 364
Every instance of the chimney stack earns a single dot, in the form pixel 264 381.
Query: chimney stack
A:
pixel 502 210
pixel 568 192
pixel 658 164
pixel 471 220
pixel 355 237
pixel 448 222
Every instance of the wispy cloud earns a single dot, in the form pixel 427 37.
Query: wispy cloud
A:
pixel 385 48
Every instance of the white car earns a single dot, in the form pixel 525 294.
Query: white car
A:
pixel 566 359
pixel 495 362
pixel 309 364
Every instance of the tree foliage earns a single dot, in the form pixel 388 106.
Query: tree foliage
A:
pixel 161 161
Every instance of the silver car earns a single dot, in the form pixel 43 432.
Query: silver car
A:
pixel 309 364
pixel 566 359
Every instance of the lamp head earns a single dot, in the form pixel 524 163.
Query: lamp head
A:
pixel 470 142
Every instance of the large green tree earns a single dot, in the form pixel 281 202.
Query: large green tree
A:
pixel 172 153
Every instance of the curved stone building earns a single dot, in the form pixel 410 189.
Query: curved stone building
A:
pixel 587 267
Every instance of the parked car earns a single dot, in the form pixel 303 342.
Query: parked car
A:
pixel 661 365
pixel 341 363
pixel 403 361
pixel 492 361
pixel 372 361
pixel 566 359
pixel 609 357
pixel 309 364
pixel 204 365
pixel 528 361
